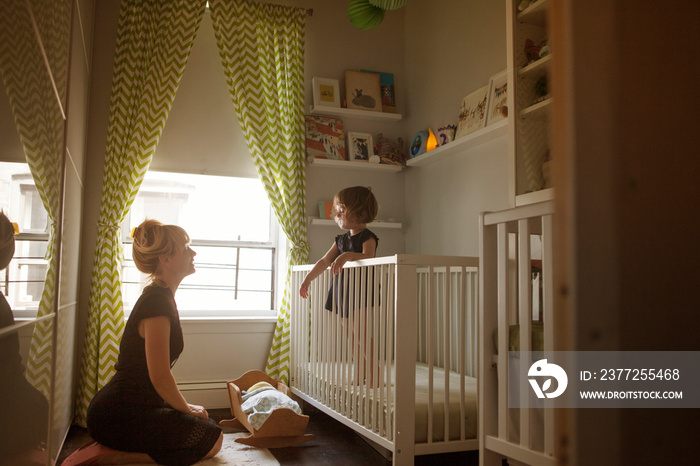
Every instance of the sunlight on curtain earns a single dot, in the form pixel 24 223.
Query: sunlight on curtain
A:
pixel 154 39
pixel 262 52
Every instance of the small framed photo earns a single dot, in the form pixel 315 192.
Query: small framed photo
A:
pixel 472 113
pixel 498 98
pixel 360 146
pixel 363 91
pixel 326 92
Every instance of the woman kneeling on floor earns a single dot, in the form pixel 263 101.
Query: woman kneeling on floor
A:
pixel 140 416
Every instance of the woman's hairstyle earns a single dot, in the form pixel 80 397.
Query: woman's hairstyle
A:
pixel 7 241
pixel 153 239
pixel 359 202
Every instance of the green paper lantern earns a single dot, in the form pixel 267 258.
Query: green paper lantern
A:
pixel 388 4
pixel 363 15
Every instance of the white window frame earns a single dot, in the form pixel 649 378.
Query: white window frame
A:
pixel 13 279
pixel 276 244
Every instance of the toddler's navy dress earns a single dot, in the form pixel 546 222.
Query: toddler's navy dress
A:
pixel 347 243
pixel 129 415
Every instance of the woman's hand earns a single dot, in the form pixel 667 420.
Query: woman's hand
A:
pixel 198 411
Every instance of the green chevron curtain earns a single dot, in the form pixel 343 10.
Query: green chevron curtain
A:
pixel 154 39
pixel 262 51
pixel 38 109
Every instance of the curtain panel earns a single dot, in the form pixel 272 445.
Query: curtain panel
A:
pixel 154 39
pixel 36 88
pixel 262 51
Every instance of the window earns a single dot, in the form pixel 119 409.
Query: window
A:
pixel 233 232
pixel 22 282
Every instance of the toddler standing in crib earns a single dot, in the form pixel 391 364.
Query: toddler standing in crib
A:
pixel 353 209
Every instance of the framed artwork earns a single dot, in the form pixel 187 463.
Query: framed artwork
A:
pixel 386 84
pixel 325 138
pixel 360 146
pixel 363 91
pixel 419 145
pixel 472 113
pixel 498 98
pixel 326 92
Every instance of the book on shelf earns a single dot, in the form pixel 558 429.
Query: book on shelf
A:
pixel 325 209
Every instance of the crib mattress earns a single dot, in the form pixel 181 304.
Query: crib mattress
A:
pixel 422 397
pixel 438 411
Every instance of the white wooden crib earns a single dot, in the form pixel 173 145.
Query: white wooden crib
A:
pixel 511 241
pixel 381 370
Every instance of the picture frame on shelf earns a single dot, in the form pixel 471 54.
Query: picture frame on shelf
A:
pixel 363 91
pixel 472 113
pixel 326 92
pixel 498 98
pixel 325 138
pixel 360 146
pixel 388 95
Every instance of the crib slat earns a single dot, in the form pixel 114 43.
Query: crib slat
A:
pixel 447 307
pixel 548 318
pixel 502 267
pixel 391 330
pixel 525 321
pixel 463 358
pixel 431 348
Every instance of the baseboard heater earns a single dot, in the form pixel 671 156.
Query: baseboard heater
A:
pixel 208 394
pixel 202 386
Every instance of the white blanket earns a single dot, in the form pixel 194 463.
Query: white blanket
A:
pixel 260 403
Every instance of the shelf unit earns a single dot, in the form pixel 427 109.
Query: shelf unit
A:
pixel 353 113
pixel 348 113
pixel 461 145
pixel 353 165
pixel 528 134
pixel 375 224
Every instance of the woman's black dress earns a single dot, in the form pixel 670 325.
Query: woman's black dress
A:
pixel 127 414
pixel 24 410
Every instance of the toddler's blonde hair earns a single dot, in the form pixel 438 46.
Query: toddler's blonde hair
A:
pixel 359 202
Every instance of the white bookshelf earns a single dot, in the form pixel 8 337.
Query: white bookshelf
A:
pixel 463 144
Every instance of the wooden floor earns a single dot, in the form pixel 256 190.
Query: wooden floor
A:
pixel 334 444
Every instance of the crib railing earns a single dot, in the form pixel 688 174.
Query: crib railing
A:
pixel 357 361
pixel 523 434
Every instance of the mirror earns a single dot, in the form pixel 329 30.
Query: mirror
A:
pixel 34 60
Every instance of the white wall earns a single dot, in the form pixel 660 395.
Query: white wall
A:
pixel 334 45
pixel 452 48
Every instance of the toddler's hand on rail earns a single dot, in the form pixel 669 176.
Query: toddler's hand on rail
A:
pixel 338 263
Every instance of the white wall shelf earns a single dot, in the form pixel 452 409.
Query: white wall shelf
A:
pixel 536 65
pixel 354 165
pixel 462 144
pixel 352 113
pixel 375 224
pixel 535 14
pixel 538 109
